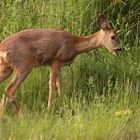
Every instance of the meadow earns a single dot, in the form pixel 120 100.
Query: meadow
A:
pixel 101 91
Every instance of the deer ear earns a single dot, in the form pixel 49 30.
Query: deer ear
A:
pixel 102 21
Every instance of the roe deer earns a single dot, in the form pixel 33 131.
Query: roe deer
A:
pixel 23 51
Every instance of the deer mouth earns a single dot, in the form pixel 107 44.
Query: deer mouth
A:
pixel 116 50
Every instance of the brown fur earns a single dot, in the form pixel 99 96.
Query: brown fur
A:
pixel 27 49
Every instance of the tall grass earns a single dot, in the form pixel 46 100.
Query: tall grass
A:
pixel 101 92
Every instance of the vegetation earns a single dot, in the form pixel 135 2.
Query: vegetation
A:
pixel 101 91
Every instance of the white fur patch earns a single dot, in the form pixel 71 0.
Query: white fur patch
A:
pixel 3 56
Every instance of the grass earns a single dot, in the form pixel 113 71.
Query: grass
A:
pixel 95 121
pixel 101 92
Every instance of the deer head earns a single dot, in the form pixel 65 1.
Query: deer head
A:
pixel 109 36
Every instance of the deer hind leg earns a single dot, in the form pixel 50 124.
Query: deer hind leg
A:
pixel 5 71
pixel 14 84
pixel 4 74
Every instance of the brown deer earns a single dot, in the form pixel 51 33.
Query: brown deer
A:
pixel 23 51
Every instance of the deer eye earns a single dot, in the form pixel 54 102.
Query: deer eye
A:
pixel 113 37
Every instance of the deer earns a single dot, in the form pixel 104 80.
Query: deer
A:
pixel 31 48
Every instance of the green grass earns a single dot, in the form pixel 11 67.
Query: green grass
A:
pixel 101 92
pixel 95 121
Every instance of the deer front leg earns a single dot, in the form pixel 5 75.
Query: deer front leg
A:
pixel 58 85
pixel 58 82
pixel 52 81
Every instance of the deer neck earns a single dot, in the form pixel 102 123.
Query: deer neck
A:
pixel 88 43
